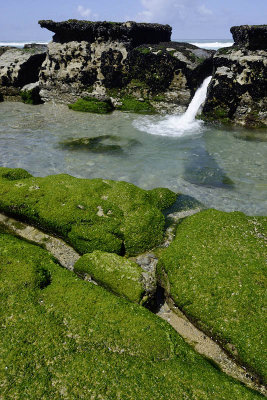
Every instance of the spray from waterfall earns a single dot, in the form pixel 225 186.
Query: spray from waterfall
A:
pixel 177 125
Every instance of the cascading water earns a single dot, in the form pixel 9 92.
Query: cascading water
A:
pixel 177 125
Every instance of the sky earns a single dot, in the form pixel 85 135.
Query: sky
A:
pixel 190 19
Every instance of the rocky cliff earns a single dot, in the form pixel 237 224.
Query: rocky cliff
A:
pixel 238 90
pixel 118 60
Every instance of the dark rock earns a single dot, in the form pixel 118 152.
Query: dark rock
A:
pixel 38 46
pixel 253 37
pixel 100 144
pixel 132 32
pixel 202 169
pixel 238 89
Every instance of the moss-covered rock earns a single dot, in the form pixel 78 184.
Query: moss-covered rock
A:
pixel 31 96
pixel 215 272
pixel 64 337
pixel 131 104
pixel 92 105
pixel 121 276
pixel 90 214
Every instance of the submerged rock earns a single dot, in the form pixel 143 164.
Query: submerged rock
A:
pixel 215 273
pixel 237 92
pixel 202 169
pixel 101 144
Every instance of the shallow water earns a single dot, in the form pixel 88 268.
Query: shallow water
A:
pixel 218 167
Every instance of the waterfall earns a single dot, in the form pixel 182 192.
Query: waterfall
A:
pixel 177 125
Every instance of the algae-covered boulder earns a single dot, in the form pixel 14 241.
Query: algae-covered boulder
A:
pixel 93 105
pixel 90 214
pixel 62 337
pixel 121 276
pixel 215 271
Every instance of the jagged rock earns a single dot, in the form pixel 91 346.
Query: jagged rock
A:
pixel 132 32
pixel 238 89
pixel 121 60
pixel 253 37
pixel 18 67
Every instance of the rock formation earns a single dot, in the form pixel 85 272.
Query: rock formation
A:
pixel 19 67
pixel 118 60
pixel 238 90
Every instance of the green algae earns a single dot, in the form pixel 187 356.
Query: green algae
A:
pixel 216 273
pixel 90 214
pixel 92 105
pixel 62 337
pixel 131 104
pixel 121 276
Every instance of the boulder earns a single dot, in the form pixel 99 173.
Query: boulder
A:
pixel 117 274
pixel 19 67
pixel 90 214
pixel 252 37
pixel 238 89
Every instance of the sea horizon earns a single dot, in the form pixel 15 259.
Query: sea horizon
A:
pixel 210 44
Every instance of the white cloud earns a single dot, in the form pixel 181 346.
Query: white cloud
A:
pixel 203 10
pixel 165 11
pixel 86 12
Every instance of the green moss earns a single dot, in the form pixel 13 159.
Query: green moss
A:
pixel 27 96
pixel 218 113
pixel 133 105
pixel 12 174
pixel 90 104
pixel 121 276
pixel 143 50
pixel 162 197
pixel 91 214
pixel 159 97
pixel 216 271
pixel 63 337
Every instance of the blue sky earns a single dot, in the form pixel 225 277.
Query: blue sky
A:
pixel 190 19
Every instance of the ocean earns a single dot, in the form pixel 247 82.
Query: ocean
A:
pixel 211 44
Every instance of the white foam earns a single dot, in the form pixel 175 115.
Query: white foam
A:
pixel 212 45
pixel 19 44
pixel 177 125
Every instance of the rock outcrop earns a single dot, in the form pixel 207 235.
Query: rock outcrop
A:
pixel 19 67
pixel 238 90
pixel 118 60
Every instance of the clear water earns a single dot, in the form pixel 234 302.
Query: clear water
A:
pixel 219 167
